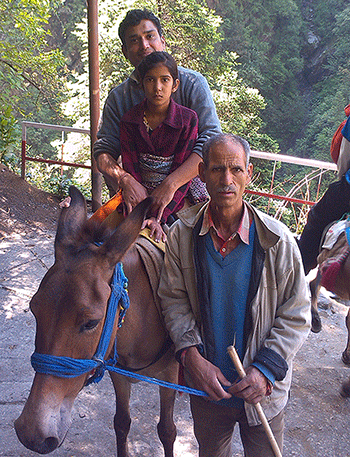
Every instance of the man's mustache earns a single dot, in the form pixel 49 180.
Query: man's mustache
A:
pixel 226 189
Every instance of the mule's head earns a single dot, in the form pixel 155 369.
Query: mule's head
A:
pixel 70 308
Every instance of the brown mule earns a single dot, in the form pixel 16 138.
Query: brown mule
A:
pixel 340 286
pixel 70 307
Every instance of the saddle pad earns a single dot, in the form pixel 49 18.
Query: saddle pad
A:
pixel 107 208
pixel 333 234
pixel 152 258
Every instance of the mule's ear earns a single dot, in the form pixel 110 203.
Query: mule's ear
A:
pixel 71 218
pixel 126 233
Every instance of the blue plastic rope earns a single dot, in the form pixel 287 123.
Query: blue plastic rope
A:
pixel 63 367
pixel 347 231
pixel 67 367
pixel 119 286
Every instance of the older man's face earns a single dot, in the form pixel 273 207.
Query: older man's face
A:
pixel 141 40
pixel 226 175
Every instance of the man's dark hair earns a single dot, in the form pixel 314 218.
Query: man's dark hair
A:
pixel 152 60
pixel 134 17
pixel 222 138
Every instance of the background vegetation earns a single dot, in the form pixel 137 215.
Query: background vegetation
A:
pixel 279 71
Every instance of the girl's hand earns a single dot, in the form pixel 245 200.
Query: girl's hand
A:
pixel 162 196
pixel 156 229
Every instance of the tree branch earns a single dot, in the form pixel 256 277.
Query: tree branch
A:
pixel 21 73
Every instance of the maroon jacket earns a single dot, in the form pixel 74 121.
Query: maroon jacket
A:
pixel 176 135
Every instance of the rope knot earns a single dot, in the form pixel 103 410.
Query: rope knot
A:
pixel 98 372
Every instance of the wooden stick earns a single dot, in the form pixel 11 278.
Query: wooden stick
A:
pixel 241 372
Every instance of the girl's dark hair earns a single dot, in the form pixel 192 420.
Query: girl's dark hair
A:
pixel 134 17
pixel 152 60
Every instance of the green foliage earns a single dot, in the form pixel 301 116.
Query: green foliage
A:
pixel 27 66
pixel 297 55
pixel 331 94
pixel 266 36
pixel 8 125
pixel 50 179
pixel 62 24
pixel 239 107
pixel 32 76
pixel 192 34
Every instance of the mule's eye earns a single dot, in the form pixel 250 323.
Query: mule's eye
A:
pixel 89 325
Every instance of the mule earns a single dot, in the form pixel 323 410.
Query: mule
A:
pixel 70 308
pixel 341 288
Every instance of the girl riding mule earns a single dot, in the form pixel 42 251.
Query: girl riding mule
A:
pixel 70 308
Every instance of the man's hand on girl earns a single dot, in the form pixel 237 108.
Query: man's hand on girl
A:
pixel 133 192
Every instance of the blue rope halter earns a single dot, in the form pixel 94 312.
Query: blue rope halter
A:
pixel 67 367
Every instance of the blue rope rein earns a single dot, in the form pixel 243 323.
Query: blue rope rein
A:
pixel 67 367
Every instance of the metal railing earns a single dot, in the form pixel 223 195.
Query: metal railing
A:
pixel 275 158
pixel 60 128
pixel 317 164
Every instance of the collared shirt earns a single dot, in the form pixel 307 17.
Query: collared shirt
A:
pixel 223 246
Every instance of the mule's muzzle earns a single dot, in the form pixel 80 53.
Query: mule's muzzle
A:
pixel 35 443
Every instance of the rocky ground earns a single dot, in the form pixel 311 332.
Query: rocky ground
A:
pixel 316 417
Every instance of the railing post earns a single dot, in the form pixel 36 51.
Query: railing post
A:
pixel 94 85
pixel 23 156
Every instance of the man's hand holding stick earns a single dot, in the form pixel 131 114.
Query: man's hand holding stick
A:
pixel 241 372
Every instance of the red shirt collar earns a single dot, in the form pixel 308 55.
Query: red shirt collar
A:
pixel 242 231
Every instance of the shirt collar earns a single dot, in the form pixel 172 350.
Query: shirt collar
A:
pixel 134 76
pixel 243 228
pixel 173 119
pixel 174 116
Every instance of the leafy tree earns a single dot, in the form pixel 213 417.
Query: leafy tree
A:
pixel 32 74
pixel 296 54
pixel 330 93
pixel 266 36
pixel 26 64
pixel 64 16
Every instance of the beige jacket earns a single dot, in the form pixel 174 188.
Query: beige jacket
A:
pixel 280 309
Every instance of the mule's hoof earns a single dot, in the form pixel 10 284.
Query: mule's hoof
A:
pixel 346 358
pixel 345 389
pixel 316 324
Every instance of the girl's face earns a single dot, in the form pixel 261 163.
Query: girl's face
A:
pixel 158 85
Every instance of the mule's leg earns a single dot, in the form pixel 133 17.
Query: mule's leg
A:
pixel 315 285
pixel 166 426
pixel 345 389
pixel 346 353
pixel 122 420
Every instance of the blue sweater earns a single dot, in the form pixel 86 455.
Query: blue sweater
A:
pixel 229 279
